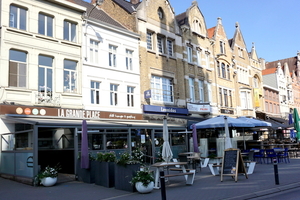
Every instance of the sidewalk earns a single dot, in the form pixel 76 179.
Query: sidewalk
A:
pixel 206 186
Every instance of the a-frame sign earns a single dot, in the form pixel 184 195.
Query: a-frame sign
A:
pixel 233 164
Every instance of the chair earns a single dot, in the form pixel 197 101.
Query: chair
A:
pixel 270 153
pixel 260 156
pixel 284 155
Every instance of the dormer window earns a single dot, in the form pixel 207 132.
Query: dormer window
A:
pixel 197 26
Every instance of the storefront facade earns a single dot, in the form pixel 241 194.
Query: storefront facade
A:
pixel 35 137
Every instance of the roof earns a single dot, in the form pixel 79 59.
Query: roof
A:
pixel 292 63
pixel 269 71
pixel 97 14
pixel 182 19
pixel 210 32
pixel 129 7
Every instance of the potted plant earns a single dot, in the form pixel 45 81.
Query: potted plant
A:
pixel 48 176
pixel 86 175
pixel 143 181
pixel 125 169
pixel 104 169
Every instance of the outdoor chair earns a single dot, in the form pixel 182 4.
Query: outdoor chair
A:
pixel 259 156
pixel 270 153
pixel 284 155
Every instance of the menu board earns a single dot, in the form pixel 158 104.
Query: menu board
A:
pixel 232 164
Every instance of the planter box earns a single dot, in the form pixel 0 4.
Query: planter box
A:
pixel 86 175
pixel 123 176
pixel 105 174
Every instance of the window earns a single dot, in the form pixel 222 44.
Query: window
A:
pixel 149 40
pixel 197 26
pixel 192 89
pixel 228 72
pixel 130 96
pixel 225 97
pixel 230 98
pixel 170 47
pixel 219 70
pixel 245 100
pixel 45 78
pixel 255 82
pixel 223 71
pixel 209 92
pixel 201 91
pixel 17 17
pixel 45 25
pixel 112 56
pixel 199 57
pixel 17 68
pixel 69 31
pixel 220 96
pixel 160 13
pixel 267 106
pixel 222 47
pixel 207 60
pixel 94 46
pixel 95 92
pixel 129 55
pixel 70 76
pixel 113 94
pixel 161 44
pixel 189 54
pixel 162 89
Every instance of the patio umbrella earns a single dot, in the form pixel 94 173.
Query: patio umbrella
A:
pixel 296 123
pixel 227 137
pixel 218 122
pixel 195 139
pixel 84 146
pixel 255 122
pixel 166 150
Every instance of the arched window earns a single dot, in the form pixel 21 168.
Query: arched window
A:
pixel 197 26
pixel 160 13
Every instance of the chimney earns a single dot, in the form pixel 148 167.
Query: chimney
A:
pixel 134 1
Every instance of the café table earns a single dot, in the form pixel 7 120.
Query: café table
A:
pixel 160 167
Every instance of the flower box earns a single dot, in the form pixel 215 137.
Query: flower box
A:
pixel 86 175
pixel 105 174
pixel 123 176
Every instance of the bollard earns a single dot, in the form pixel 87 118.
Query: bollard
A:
pixel 162 185
pixel 275 164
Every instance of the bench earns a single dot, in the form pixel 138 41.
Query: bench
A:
pixel 214 169
pixel 179 169
pixel 189 176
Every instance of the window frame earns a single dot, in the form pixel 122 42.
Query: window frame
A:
pixel 114 94
pixel 160 39
pixel 170 47
pixel 112 55
pixel 70 84
pixel 18 76
pixel 129 59
pixel 70 30
pixel 149 40
pixel 45 24
pixel 19 21
pixel 189 54
pixel 201 91
pixel 48 69
pixel 130 96
pixel 162 89
pixel 192 89
pixel 94 51
pixel 95 92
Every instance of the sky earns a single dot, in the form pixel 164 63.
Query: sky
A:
pixel 273 26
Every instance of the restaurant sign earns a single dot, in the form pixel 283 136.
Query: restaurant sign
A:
pixel 67 113
pixel 199 108
pixel 164 110
pixel 226 111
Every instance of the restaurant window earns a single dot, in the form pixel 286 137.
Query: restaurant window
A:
pixel 115 139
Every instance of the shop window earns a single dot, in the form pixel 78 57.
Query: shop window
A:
pixel 117 141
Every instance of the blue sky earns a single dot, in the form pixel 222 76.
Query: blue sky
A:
pixel 273 26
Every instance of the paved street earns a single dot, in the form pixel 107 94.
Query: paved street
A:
pixel 206 186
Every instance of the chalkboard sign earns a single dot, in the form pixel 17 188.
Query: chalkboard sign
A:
pixel 232 164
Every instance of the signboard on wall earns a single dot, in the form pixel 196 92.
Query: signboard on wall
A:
pixel 198 108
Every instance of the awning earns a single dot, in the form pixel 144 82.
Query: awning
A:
pixel 58 122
